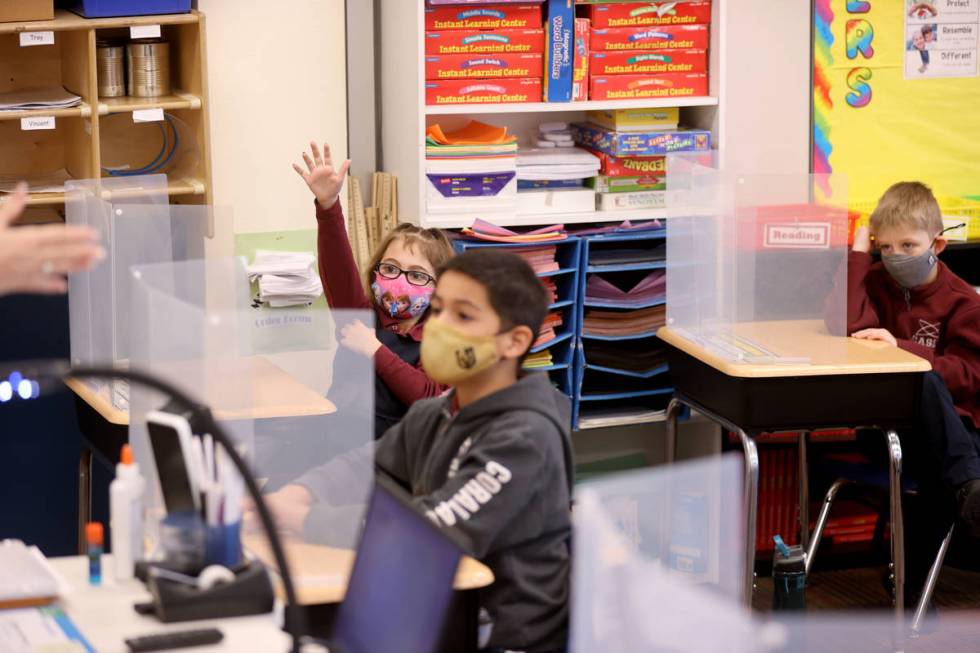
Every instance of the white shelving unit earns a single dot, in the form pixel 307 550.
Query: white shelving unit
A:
pixel 405 116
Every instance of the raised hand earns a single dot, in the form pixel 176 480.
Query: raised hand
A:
pixel 324 180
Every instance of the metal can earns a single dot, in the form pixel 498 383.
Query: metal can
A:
pixel 111 69
pixel 149 68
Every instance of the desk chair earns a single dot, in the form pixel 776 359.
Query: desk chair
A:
pixel 853 473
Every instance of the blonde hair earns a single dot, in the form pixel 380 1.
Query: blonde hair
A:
pixel 430 243
pixel 908 204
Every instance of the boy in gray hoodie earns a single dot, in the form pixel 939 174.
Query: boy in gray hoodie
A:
pixel 491 459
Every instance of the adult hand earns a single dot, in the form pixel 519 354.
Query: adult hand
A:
pixel 35 259
pixel 360 338
pixel 324 180
pixel 862 240
pixel 876 334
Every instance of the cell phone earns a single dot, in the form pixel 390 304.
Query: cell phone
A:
pixel 178 460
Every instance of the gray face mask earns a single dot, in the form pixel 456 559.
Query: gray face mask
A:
pixel 910 271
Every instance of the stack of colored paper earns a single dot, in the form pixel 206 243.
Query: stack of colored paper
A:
pixel 651 288
pixel 471 170
pixel 483 230
pixel 613 323
pixel 552 288
pixel 538 360
pixel 547 332
pixel 542 259
pixel 625 356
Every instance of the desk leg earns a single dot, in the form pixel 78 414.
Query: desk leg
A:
pixel 751 463
pixel 897 522
pixel 84 495
pixel 804 476
pixel 670 437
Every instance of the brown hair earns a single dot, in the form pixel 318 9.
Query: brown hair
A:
pixel 430 243
pixel 908 204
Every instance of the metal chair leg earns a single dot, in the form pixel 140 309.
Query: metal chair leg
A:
pixel 751 463
pixel 828 502
pixel 930 586
pixel 670 437
pixel 897 522
pixel 804 478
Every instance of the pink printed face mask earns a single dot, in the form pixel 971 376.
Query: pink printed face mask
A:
pixel 400 299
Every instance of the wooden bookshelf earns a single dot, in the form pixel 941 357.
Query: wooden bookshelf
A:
pixel 76 144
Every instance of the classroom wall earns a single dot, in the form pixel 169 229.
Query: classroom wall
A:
pixel 278 78
pixel 766 68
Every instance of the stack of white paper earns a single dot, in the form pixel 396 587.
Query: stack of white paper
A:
pixel 285 278
pixel 45 97
pixel 556 164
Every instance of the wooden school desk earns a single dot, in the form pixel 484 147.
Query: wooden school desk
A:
pixel 320 577
pixel 847 383
pixel 105 428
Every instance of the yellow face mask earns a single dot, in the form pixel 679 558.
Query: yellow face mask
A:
pixel 450 356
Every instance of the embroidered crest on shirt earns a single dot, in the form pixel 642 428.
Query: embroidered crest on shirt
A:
pixel 927 335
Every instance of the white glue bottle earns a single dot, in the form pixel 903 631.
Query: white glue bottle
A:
pixel 126 515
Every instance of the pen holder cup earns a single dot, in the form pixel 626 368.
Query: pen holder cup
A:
pixel 224 545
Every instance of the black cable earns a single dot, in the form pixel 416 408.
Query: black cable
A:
pixel 291 623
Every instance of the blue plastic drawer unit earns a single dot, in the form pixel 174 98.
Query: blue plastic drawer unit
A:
pixel 111 8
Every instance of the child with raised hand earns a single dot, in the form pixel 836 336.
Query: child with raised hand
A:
pixel 397 284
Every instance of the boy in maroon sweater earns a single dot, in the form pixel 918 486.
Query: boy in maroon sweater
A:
pixel 913 301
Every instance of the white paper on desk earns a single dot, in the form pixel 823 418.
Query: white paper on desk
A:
pixel 29 630
pixel 42 97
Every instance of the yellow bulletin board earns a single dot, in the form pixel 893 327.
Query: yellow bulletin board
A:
pixel 896 96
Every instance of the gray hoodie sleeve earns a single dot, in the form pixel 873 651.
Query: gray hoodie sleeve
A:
pixel 494 480
pixel 340 488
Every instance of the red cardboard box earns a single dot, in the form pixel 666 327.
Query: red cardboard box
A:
pixel 527 16
pixel 473 41
pixel 615 166
pixel 675 37
pixel 634 87
pixel 477 91
pixel 648 62
pixel 483 66
pixel 580 69
pixel 645 14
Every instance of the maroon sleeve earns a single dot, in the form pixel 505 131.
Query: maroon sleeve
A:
pixel 338 271
pixel 861 313
pixel 959 364
pixel 408 383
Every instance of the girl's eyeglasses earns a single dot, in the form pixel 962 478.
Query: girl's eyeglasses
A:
pixel 414 277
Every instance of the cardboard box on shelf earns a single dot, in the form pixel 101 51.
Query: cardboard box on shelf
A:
pixel 648 62
pixel 653 143
pixel 580 71
pixel 559 33
pixel 607 184
pixel 495 16
pixel 474 41
pixel 640 14
pixel 21 11
pixel 674 37
pixel 630 166
pixel 483 66
pixel 636 120
pixel 647 199
pixel 476 91
pixel 635 87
